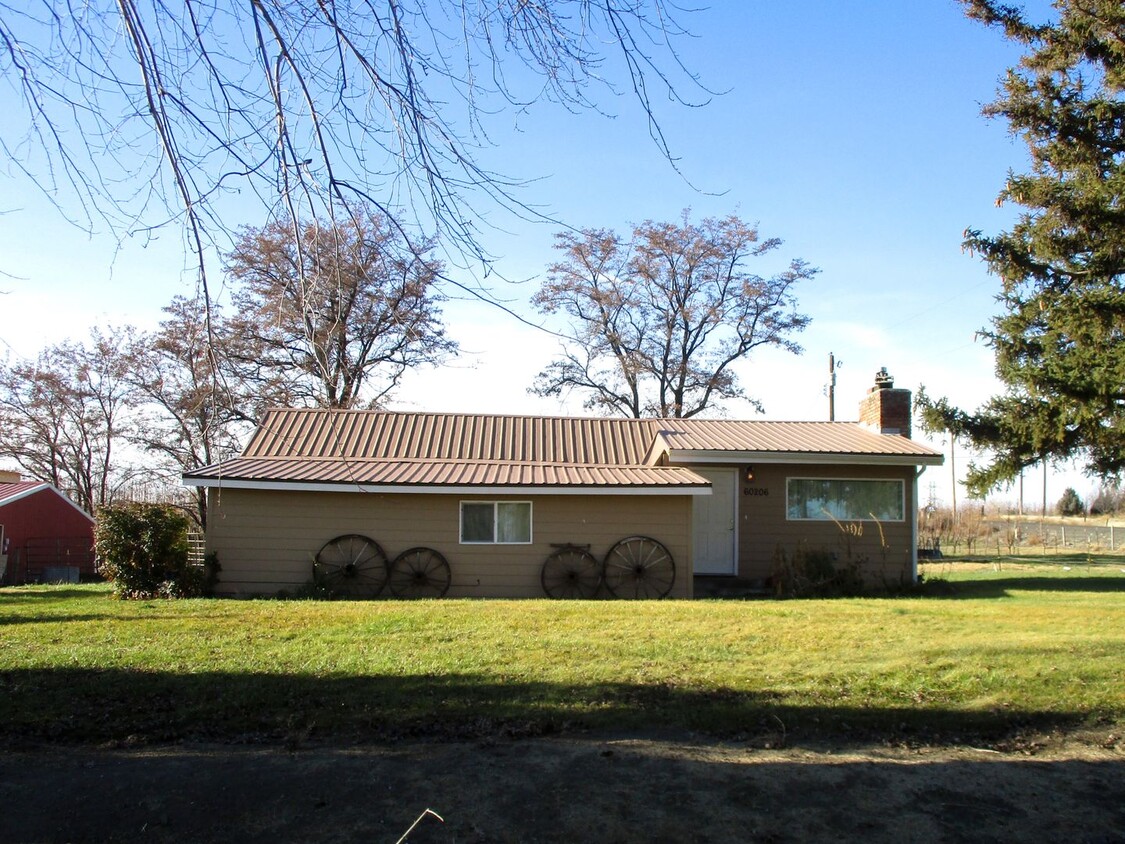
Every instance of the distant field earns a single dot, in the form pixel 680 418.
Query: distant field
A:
pixel 986 649
pixel 1032 536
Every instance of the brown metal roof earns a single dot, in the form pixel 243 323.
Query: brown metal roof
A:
pixel 836 438
pixel 431 473
pixel 376 448
pixel 448 436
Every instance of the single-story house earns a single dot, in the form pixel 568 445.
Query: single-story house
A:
pixel 475 505
pixel 43 534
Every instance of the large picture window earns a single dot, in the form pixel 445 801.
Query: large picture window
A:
pixel 495 522
pixel 840 499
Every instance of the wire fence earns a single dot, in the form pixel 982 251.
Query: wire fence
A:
pixel 1024 536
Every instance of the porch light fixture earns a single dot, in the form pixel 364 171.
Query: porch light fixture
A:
pixel 749 474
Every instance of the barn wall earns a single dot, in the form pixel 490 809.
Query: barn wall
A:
pixel 266 540
pixel 882 551
pixel 45 530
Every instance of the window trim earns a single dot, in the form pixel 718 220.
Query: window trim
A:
pixel 495 522
pixel 902 499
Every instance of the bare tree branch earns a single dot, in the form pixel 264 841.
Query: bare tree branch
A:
pixel 64 415
pixel 336 317
pixel 656 323
pixel 137 112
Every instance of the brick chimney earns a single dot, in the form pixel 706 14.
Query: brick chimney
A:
pixel 884 409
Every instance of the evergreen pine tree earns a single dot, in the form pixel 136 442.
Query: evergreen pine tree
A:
pixel 1059 340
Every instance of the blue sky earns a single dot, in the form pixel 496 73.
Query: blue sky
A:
pixel 850 130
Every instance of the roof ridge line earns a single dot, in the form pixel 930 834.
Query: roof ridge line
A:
pixel 340 411
pixel 553 416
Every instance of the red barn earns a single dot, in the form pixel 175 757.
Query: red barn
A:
pixel 44 536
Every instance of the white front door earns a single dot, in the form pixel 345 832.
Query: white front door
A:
pixel 715 521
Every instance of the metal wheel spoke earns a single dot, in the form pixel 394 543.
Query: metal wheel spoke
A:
pixel 351 566
pixel 420 573
pixel 639 567
pixel 570 573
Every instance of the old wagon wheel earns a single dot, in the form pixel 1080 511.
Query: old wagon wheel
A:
pixel 639 567
pixel 352 566
pixel 571 572
pixel 419 573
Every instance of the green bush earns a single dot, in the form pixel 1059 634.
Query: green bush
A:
pixel 143 550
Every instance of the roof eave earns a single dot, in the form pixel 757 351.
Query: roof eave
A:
pixel 679 456
pixel 452 489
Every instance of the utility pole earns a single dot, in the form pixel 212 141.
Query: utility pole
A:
pixel 1043 518
pixel 953 471
pixel 831 387
pixel 1044 487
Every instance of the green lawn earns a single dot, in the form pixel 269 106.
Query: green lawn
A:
pixel 978 654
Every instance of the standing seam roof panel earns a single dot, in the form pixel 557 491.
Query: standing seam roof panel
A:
pixel 368 434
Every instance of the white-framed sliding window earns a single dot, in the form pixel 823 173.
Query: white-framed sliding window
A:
pixel 495 522
pixel 844 499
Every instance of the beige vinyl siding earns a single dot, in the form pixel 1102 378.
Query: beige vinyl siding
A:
pixel 266 539
pixel 884 550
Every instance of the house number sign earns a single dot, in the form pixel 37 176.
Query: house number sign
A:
pixel 755 490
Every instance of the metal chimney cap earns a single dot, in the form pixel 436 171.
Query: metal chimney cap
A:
pixel 884 380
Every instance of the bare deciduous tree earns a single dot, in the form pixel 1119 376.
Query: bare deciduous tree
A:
pixel 187 417
pixel 335 316
pixel 656 322
pixel 64 416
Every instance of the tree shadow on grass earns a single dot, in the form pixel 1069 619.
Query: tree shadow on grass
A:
pixel 1002 587
pixel 79 705
pixel 12 596
pixel 33 605
pixel 1052 558
pixel 28 605
pixel 1077 558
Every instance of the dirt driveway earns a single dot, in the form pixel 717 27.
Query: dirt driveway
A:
pixel 573 788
